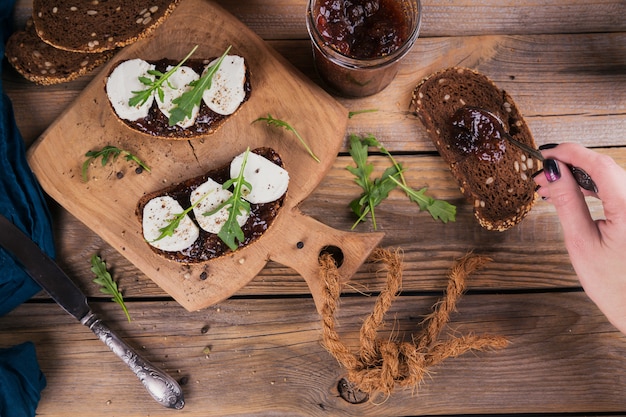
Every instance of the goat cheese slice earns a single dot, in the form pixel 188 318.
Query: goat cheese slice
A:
pixel 175 86
pixel 158 213
pixel 216 196
pixel 120 86
pixel 227 87
pixel 269 181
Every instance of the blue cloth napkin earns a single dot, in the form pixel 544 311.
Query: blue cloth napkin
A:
pixel 21 198
pixel 21 381
pixel 22 202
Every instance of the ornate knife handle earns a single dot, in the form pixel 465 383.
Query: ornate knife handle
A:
pixel 163 388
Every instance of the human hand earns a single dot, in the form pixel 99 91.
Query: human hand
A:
pixel 597 248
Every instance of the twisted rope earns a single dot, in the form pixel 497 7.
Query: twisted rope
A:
pixel 382 364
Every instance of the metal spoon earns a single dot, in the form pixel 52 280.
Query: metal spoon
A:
pixel 582 178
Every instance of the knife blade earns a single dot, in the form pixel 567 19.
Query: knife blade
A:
pixel 43 270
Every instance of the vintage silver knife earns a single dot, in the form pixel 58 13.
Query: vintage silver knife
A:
pixel 62 289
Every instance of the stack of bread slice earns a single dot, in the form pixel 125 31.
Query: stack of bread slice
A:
pixel 67 39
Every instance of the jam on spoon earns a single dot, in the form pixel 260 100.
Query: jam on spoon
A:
pixel 480 132
pixel 474 132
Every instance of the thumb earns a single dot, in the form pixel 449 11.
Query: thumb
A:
pixel 579 229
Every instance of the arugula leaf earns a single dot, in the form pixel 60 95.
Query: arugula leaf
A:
pixel 190 99
pixel 281 123
pixel 175 222
pixel 377 190
pixel 140 97
pixel 106 282
pixel 109 152
pixel 374 191
pixel 438 209
pixel 370 140
pixel 231 232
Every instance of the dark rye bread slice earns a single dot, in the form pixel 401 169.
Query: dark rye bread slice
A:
pixel 97 25
pixel 43 64
pixel 501 189
pixel 208 245
pixel 156 124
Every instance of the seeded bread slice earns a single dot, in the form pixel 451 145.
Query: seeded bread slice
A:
pixel 43 64
pixel 501 190
pixel 209 246
pixel 97 25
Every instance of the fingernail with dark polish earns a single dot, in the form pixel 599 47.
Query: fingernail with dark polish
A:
pixel 551 169
pixel 548 146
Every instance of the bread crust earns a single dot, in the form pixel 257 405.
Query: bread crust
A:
pixel 502 191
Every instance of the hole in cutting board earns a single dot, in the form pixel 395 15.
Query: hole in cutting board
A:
pixel 335 252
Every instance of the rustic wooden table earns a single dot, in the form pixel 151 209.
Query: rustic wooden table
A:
pixel 259 352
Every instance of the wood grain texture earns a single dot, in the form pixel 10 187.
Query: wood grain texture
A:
pixel 563 61
pixel 264 358
pixel 284 19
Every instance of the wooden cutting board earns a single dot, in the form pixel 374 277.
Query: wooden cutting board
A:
pixel 106 203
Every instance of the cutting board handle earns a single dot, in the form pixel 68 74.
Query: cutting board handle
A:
pixel 308 238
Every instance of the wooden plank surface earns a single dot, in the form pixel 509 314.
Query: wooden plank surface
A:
pixel 260 363
pixel 564 63
pixel 284 19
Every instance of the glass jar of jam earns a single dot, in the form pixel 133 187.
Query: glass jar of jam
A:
pixel 357 44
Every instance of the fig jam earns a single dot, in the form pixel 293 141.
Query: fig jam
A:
pixel 477 132
pixel 207 121
pixel 362 29
pixel 357 44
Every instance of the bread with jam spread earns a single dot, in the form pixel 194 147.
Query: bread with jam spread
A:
pixel 495 177
pixel 230 88
pixel 196 239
